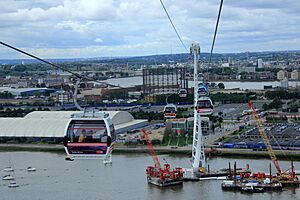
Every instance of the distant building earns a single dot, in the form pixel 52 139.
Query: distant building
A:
pixel 267 64
pixel 225 64
pixel 247 69
pixel 186 125
pixel 230 61
pixel 267 87
pixel 164 80
pixel 26 92
pixel 135 94
pixel 51 81
pixel 282 74
pixel 284 83
pixel 64 97
pixel 22 84
pixel 259 63
pixel 295 75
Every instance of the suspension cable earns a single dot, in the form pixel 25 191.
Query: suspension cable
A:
pixel 215 33
pixel 173 25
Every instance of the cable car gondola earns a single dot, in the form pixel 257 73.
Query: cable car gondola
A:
pixel 202 90
pixel 89 135
pixel 182 93
pixel 204 106
pixel 170 111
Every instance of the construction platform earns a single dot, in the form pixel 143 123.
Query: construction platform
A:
pixel 290 183
pixel 165 183
pixel 221 173
pixel 239 186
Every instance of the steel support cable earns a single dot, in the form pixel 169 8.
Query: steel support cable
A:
pixel 173 26
pixel 215 33
pixel 55 65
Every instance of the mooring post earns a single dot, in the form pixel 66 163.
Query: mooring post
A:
pixel 229 167
pixel 270 170
pixel 234 172
pixel 292 168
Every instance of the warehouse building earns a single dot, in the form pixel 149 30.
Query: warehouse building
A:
pixel 51 125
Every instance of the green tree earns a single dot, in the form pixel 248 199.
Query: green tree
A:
pixel 293 108
pixel 276 103
pixel 265 106
pixel 213 85
pixel 221 86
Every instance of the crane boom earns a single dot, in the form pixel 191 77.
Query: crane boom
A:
pixel 264 137
pixel 151 149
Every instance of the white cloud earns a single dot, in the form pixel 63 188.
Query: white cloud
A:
pixel 131 27
pixel 70 25
pixel 98 40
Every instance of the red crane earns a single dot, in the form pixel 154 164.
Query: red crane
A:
pixel 161 176
pixel 151 149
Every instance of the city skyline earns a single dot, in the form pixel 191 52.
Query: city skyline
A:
pixel 104 28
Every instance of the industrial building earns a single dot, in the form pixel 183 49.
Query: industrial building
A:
pixel 27 91
pixel 40 125
pixel 164 80
pixel 185 125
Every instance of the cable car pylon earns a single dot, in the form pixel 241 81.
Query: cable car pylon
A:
pixel 198 156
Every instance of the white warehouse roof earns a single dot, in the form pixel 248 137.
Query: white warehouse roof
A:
pixel 118 117
pixel 53 123
pixel 19 91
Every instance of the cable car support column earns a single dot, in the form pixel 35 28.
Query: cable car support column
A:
pixel 198 156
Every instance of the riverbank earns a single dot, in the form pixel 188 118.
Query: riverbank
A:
pixel 186 150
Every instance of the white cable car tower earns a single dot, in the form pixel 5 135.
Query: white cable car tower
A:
pixel 198 156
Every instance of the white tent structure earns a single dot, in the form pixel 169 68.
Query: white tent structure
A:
pixel 53 123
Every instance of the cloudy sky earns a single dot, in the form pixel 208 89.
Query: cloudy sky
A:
pixel 100 28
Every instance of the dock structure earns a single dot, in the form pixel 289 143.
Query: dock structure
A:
pixel 158 182
pixel 258 182
pixel 231 186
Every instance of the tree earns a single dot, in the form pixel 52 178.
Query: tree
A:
pixel 265 106
pixel 213 85
pixel 293 108
pixel 221 86
pixel 276 103
pixel 6 95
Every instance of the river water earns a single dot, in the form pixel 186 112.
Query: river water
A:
pixel 58 179
pixel 138 80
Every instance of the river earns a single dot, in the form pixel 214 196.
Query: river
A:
pixel 138 80
pixel 58 179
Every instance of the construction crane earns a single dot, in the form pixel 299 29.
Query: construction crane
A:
pixel 161 176
pixel 151 149
pixel 264 136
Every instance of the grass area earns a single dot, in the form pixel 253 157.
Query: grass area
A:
pixel 224 139
pixel 177 141
pixel 236 132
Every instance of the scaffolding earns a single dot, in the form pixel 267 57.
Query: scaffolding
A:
pixel 164 80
